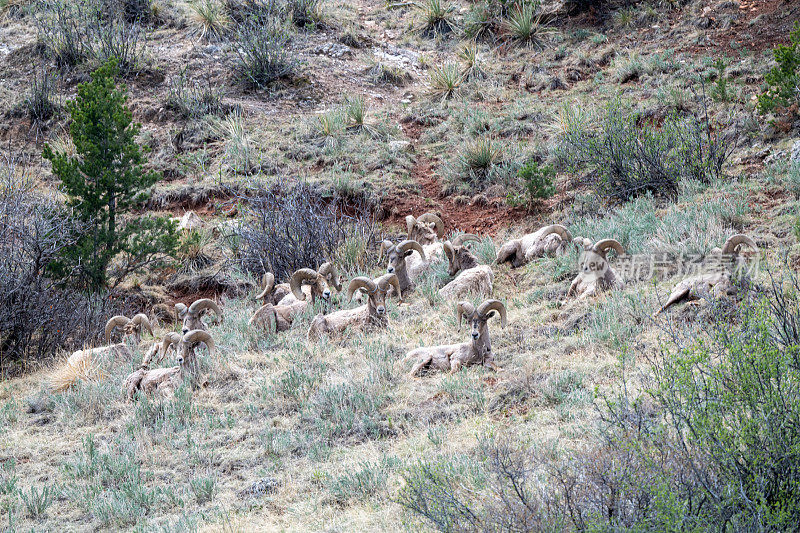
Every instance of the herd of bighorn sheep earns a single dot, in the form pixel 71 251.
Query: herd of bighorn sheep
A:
pixel 406 262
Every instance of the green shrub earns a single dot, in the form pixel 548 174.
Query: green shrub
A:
pixel 719 91
pixel 783 80
pixel 538 180
pixel 105 181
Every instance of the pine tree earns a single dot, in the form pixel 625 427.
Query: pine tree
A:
pixel 104 181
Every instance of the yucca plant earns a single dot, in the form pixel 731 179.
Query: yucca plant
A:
pixel 355 109
pixel 471 64
pixel 210 18
pixel 525 26
pixel 479 156
pixel 437 17
pixel 445 80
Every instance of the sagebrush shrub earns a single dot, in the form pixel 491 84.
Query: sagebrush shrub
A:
pixel 263 55
pixel 289 226
pixel 630 157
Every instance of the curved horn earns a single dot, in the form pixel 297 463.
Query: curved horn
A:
pixel 181 310
pixel 198 335
pixel 203 304
pixel 115 322
pixel 328 270
pixel 169 340
pixel 360 282
pixel 464 309
pixel 390 280
pixel 562 231
pixel 386 245
pixel 730 245
pixel 141 320
pixel 268 281
pixel 410 222
pixel 297 279
pixel 605 244
pixel 430 217
pixel 493 305
pixel 459 240
pixel 449 251
pixel 409 244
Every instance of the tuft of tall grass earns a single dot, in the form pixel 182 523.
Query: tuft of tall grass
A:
pixel 445 80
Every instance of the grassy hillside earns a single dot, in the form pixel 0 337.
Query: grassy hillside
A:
pixel 393 109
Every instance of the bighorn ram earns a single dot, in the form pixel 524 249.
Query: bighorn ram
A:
pixel 478 351
pixel 427 229
pixel 282 315
pixel 396 263
pixel 549 240
pixel 164 381
pixel 271 293
pixel 473 278
pixel 596 274
pixel 372 314
pixel 192 315
pixel 319 284
pixel 129 326
pixel 716 284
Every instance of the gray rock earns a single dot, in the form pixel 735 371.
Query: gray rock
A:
pixel 794 157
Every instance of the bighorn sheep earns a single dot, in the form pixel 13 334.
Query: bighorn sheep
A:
pixel 318 283
pixel 396 256
pixel 596 274
pixel 129 326
pixel 192 315
pixel 549 240
pixel 372 314
pixel 271 293
pixel 427 229
pixel 716 284
pixel 473 279
pixel 282 315
pixel 477 351
pixel 164 381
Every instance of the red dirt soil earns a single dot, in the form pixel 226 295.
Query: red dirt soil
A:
pixel 760 25
pixel 480 218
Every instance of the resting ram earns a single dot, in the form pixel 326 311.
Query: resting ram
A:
pixel 370 315
pixel 400 260
pixel 192 316
pixel 477 351
pixel 595 273
pixel 318 282
pixel 271 293
pixel 549 240
pixel 280 317
pixel 165 381
pixel 427 229
pixel 132 327
pixel 715 284
pixel 472 278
